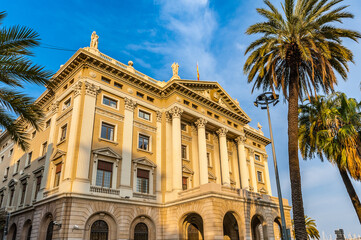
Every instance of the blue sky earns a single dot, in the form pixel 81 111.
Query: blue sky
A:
pixel 154 34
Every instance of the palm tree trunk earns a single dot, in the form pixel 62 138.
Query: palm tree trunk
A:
pixel 294 165
pixel 351 192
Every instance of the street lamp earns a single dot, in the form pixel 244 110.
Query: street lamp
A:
pixel 264 100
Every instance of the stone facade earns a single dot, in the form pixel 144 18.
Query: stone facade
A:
pixel 124 156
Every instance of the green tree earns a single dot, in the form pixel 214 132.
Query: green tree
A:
pixel 311 228
pixel 299 53
pixel 330 127
pixel 16 108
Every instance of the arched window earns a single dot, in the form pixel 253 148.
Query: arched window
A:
pixel 28 235
pixel 49 231
pixel 141 232
pixel 99 230
pixel 14 231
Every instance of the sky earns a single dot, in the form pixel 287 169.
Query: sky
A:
pixel 154 34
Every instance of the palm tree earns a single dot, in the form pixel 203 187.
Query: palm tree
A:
pixel 298 52
pixel 330 127
pixel 15 71
pixel 311 228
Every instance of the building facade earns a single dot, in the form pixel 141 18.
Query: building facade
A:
pixel 124 156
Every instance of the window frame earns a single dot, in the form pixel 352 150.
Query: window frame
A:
pixel 103 175
pixel 184 146
pixel 57 175
pixel 260 173
pixel 104 96
pixel 114 131
pixel 66 105
pixel 149 142
pixel 42 149
pixel 148 183
pixel 28 159
pixel 61 137
pixel 257 157
pixel 144 112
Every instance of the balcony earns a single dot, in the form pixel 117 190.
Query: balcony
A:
pixel 97 189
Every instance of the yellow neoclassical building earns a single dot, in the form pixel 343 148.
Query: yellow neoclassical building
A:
pixel 124 156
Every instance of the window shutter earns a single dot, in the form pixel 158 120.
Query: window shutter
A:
pixel 142 173
pixel 106 166
pixel 58 168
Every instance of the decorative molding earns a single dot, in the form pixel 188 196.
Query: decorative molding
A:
pixel 107 152
pixel 201 123
pixel 187 169
pixel 210 146
pixel 211 176
pixel 55 107
pixel 251 151
pixel 91 89
pixel 144 126
pixel 106 113
pixel 57 154
pixel 241 140
pixel 144 161
pixel 129 104
pixel 186 138
pixel 168 116
pixel 64 115
pixel 176 112
pixel 265 157
pixel 222 132
pixel 77 88
pixel 159 116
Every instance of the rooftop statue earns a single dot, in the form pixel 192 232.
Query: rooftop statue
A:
pixel 94 40
pixel 175 67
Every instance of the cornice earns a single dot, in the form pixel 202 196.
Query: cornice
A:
pixel 253 135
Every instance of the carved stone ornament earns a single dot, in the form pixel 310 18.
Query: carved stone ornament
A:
pixel 55 107
pixel 241 139
pixel 77 88
pixel 159 116
pixel 91 89
pixel 222 132
pixel 93 74
pixel 168 117
pixel 265 157
pixel 175 67
pixel 176 112
pixel 129 104
pixel 201 123
pixel 251 151
pixel 94 40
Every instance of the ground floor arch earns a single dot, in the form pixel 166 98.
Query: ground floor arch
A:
pixel 192 227
pixel 99 230
pixel 26 231
pixel 230 227
pixel 142 228
pixel 12 232
pixel 259 228
pixel 100 226
pixel 277 228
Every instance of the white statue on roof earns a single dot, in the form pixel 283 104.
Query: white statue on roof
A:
pixel 94 40
pixel 175 67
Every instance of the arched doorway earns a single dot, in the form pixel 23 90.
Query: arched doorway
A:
pixel 258 228
pixel 12 232
pixel 277 228
pixel 26 232
pixel 192 227
pixel 230 226
pixel 141 231
pixel 49 231
pixel 99 230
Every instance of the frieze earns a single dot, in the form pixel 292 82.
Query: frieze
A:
pixel 107 113
pixel 145 126
pixel 64 115
pixel 186 138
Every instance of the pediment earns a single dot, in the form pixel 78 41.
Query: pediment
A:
pixel 57 154
pixel 144 161
pixel 107 152
pixel 12 182
pixel 263 190
pixel 186 169
pixel 211 176
pixel 214 92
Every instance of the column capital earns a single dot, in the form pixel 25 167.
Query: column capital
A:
pixel 159 116
pixel 129 104
pixel 91 89
pixel 168 116
pixel 241 139
pixel 222 132
pixel 251 151
pixel 265 156
pixel 77 88
pixel 55 107
pixel 176 112
pixel 201 123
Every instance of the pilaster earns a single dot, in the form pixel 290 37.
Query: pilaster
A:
pixel 253 170
pixel 158 180
pixel 266 173
pixel 222 133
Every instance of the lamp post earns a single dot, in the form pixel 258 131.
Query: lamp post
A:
pixel 264 100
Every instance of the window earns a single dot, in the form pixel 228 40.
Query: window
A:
pixel 143 142
pixel 12 191
pixel 184 152
pixel 184 127
pixel 216 116
pixel 37 187
pixel 71 81
pixel 209 162
pixel 110 102
pixel 28 159
pixel 16 170
pixel 229 122
pixel 6 174
pixel 209 113
pixel 104 174
pixel 257 157
pixel 44 148
pixel 2 158
pixel 141 95
pixel 144 115
pixel 150 99
pixel 118 85
pixel 57 174
pixel 186 102
pixel 63 132
pixel 11 152
pixel 1 199
pixel 142 181
pixel 65 87
pixel 235 125
pixel 194 106
pixel 106 80
pixel 47 124
pixel 259 176
pixel 67 104
pixel 207 135
pixel 33 134
pixel 99 230
pixel 23 193
pixel 107 131
pixel 141 231
pixel 184 183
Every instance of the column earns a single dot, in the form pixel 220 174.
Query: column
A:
pixel 127 145
pixel 158 185
pixel 253 170
pixel 202 151
pixel 243 162
pixel 65 185
pixel 168 147
pixel 176 113
pixel 82 183
pixel 222 133
pixel 266 174
pixel 46 173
